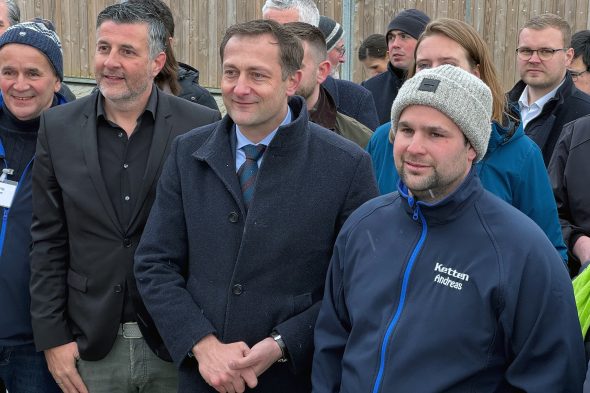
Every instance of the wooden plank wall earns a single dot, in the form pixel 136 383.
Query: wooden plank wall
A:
pixel 200 25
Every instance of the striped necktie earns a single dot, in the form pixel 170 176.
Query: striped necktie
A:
pixel 248 171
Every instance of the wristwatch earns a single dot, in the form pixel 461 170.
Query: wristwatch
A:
pixel 279 340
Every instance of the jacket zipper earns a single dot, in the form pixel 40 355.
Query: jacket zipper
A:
pixel 415 216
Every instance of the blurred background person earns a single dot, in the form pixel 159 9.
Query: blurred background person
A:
pixel 374 55
pixel 579 67
pixel 334 35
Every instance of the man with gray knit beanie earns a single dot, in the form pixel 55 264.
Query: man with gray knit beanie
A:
pixel 442 286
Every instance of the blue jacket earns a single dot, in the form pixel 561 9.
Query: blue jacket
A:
pixel 512 169
pixel 15 245
pixel 464 295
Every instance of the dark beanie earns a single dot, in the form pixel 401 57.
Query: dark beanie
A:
pixel 40 35
pixel 331 30
pixel 410 21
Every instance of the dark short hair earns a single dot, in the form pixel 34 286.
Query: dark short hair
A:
pixel 374 46
pixel 312 36
pixel 161 10
pixel 290 48
pixel 581 46
pixel 137 13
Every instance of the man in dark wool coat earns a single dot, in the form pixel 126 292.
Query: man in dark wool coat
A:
pixel 235 253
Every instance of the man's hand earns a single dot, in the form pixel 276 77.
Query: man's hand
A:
pixel 582 249
pixel 61 362
pixel 260 358
pixel 214 358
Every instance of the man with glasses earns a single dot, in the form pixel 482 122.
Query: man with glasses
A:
pixel 546 95
pixel 579 66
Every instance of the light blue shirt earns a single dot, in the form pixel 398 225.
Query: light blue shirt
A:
pixel 529 112
pixel 242 141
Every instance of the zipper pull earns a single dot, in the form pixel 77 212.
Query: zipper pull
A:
pixel 416 213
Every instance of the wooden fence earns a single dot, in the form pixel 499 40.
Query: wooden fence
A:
pixel 200 25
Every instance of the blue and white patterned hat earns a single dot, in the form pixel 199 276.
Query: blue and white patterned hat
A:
pixel 41 35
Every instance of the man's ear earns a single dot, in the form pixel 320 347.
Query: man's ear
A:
pixel 324 71
pixel 293 82
pixel 158 63
pixel 569 56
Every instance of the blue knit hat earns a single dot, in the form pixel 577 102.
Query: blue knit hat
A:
pixel 39 34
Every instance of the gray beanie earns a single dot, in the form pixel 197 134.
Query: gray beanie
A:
pixel 331 30
pixel 40 35
pixel 462 96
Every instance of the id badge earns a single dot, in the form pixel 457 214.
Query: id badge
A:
pixel 7 191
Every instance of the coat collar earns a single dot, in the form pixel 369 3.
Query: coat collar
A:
pixel 217 151
pixel 449 208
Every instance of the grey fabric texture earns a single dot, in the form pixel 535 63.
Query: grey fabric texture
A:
pixel 461 96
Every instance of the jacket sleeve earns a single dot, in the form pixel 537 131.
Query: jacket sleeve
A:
pixel 160 267
pixel 367 111
pixel 534 198
pixel 543 337
pixel 557 172
pixel 297 332
pixel 332 327
pixel 49 253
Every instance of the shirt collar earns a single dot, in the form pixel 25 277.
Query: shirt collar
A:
pixel 242 140
pixel 523 100
pixel 150 107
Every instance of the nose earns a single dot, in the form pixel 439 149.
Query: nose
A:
pixel 242 87
pixel 415 144
pixel 395 41
pixel 111 60
pixel 21 83
pixel 535 58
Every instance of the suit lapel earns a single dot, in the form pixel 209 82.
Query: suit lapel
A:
pixel 156 156
pixel 90 148
pixel 218 153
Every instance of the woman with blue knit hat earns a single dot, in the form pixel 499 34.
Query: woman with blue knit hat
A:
pixel 31 71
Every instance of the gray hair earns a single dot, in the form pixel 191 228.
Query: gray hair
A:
pixel 137 13
pixel 308 10
pixel 13 12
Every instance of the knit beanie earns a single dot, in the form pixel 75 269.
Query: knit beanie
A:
pixel 331 30
pixel 410 21
pixel 461 96
pixel 40 35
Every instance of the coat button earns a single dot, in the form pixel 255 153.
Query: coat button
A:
pixel 237 289
pixel 117 288
pixel 127 242
pixel 233 217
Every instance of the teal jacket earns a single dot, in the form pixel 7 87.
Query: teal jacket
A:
pixel 512 169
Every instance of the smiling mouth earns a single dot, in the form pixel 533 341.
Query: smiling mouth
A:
pixel 22 98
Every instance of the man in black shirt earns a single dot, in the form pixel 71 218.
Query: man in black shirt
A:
pixel 98 162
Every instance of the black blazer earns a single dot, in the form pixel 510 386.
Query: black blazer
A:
pixel 82 258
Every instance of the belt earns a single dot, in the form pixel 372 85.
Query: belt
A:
pixel 130 330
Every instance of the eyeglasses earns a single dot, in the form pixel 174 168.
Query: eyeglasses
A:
pixel 341 50
pixel 576 74
pixel 543 53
